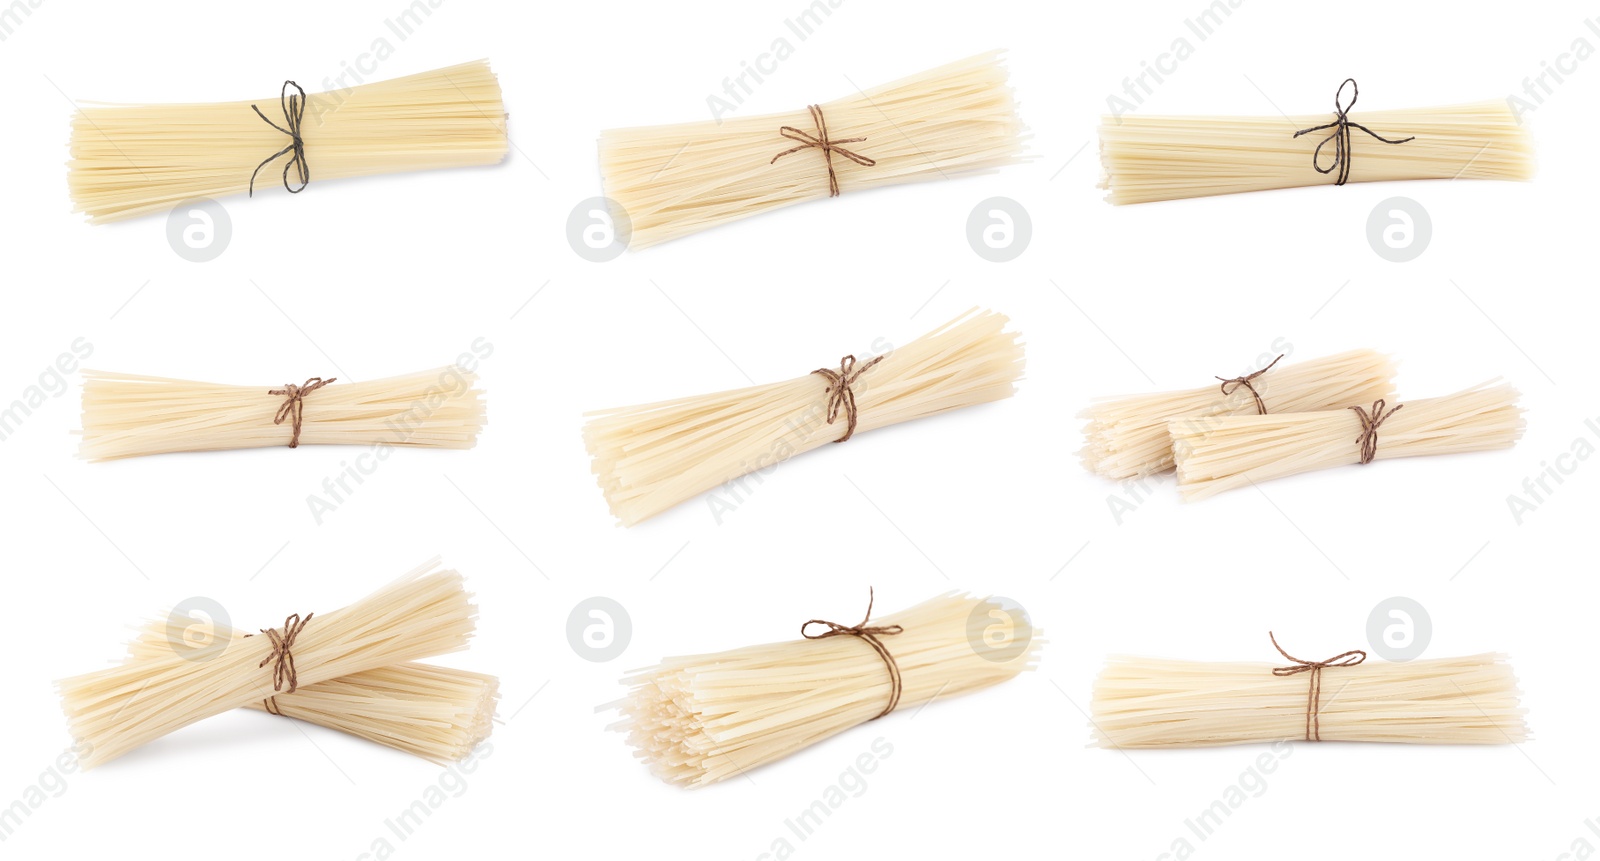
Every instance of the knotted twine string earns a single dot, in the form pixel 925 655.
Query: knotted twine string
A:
pixel 1236 382
pixel 1341 135
pixel 869 635
pixel 828 146
pixel 283 670
pixel 294 110
pixel 1369 428
pixel 840 395
pixel 294 403
pixel 1314 698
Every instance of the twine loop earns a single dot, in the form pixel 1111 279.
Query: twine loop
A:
pixel 840 394
pixel 1369 427
pixel 294 110
pixel 294 406
pixel 1236 382
pixel 1315 668
pixel 1341 134
pixel 282 657
pixel 868 634
pixel 828 145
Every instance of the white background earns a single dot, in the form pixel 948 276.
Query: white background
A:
pixel 368 278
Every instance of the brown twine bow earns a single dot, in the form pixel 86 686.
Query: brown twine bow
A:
pixel 1369 428
pixel 1343 146
pixel 281 656
pixel 1314 697
pixel 294 403
pixel 1236 382
pixel 869 635
pixel 840 393
pixel 294 112
pixel 828 146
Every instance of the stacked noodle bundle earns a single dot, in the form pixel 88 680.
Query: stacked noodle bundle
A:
pixel 129 160
pixel 651 457
pixel 1150 702
pixel 671 181
pixel 424 613
pixel 1222 453
pixel 1148 158
pixel 702 719
pixel 437 713
pixel 1127 436
pixel 125 415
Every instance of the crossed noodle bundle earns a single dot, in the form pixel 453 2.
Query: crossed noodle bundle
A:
pixel 125 415
pixel 424 613
pixel 129 160
pixel 701 719
pixel 652 457
pixel 1148 158
pixel 1152 702
pixel 671 181
pixel 1222 453
pixel 1126 437
pixel 437 713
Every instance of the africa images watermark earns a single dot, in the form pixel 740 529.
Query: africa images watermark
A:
pixel 1553 472
pixel 51 783
pixel 51 383
pixel 801 430
pixel 451 783
pixel 851 783
pixel 752 73
pixel 352 73
pixel 12 17
pixel 1251 783
pixel 1584 845
pixel 1553 73
pixel 338 488
pixel 1154 73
